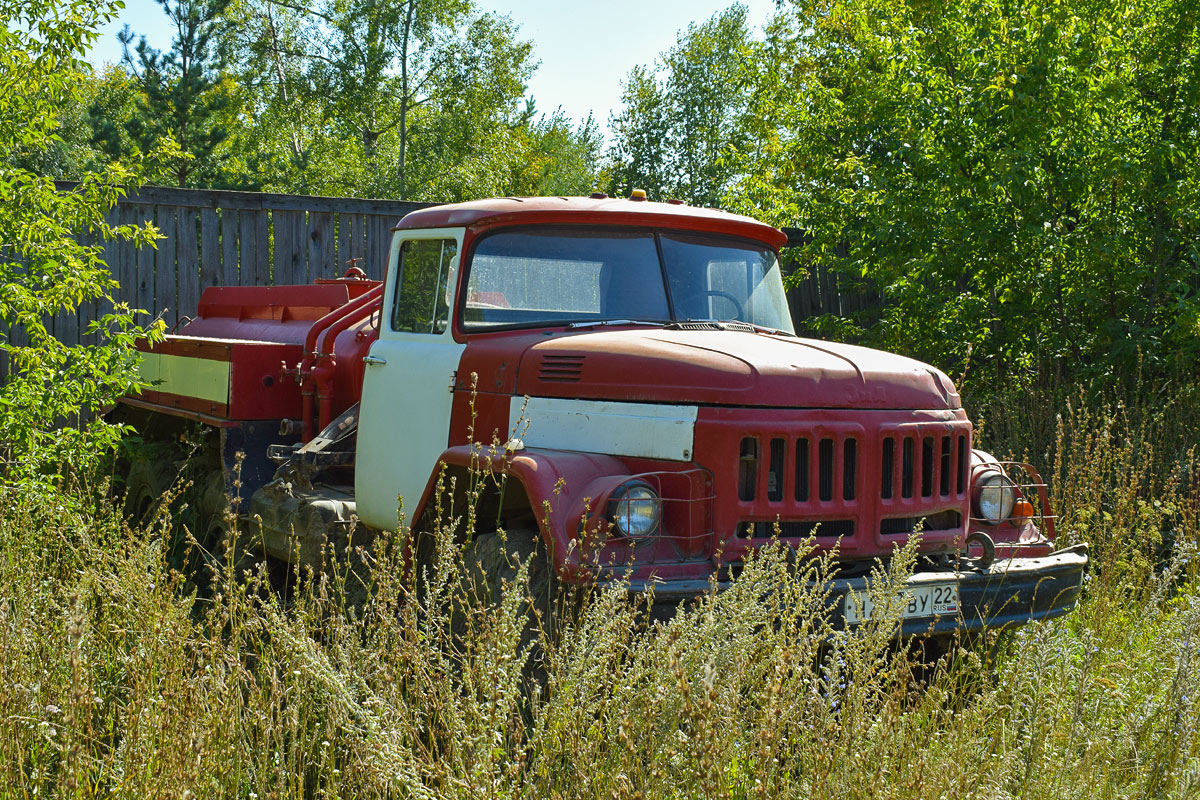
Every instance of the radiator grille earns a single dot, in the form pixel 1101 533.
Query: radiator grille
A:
pixel 864 482
pixel 834 460
pixel 941 471
pixel 927 467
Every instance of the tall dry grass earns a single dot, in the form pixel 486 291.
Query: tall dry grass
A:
pixel 122 678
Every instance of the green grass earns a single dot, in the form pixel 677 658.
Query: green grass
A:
pixel 120 678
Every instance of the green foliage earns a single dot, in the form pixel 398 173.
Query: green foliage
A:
pixel 677 131
pixel 419 100
pixel 558 158
pixel 114 100
pixel 1021 181
pixel 53 389
pixel 182 96
pixel 94 128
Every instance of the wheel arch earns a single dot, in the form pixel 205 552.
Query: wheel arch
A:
pixel 553 489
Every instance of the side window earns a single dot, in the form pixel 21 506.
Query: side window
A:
pixel 421 302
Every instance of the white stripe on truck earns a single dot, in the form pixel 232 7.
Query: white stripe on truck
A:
pixel 635 430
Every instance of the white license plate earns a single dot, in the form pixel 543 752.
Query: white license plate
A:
pixel 930 600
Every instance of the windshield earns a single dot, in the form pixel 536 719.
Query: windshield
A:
pixel 548 276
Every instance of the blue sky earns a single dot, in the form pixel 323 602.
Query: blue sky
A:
pixel 586 48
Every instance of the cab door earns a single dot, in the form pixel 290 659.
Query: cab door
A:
pixel 406 397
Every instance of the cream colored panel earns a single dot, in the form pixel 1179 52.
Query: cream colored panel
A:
pixel 636 430
pixel 202 378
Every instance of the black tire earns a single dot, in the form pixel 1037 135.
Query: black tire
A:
pixel 212 512
pixel 215 513
pixel 146 487
pixel 492 561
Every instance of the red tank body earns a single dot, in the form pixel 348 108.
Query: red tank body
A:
pixel 255 352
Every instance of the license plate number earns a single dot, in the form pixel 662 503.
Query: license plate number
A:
pixel 935 599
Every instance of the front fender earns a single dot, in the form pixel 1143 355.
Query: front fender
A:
pixel 561 486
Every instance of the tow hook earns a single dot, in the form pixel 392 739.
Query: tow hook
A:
pixel 988 556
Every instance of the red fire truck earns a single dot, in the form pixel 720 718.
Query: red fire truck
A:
pixel 631 369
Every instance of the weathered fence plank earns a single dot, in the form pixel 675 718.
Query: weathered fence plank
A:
pixel 187 241
pixel 370 262
pixel 383 243
pixel 99 308
pixel 345 235
pixel 248 246
pixel 354 239
pixel 320 245
pixel 165 266
pixel 211 273
pixel 358 241
pixel 144 269
pixel 290 249
pixel 126 271
pixel 66 322
pixel 17 336
pixel 262 248
pixel 230 227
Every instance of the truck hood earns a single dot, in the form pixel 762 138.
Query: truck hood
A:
pixel 736 368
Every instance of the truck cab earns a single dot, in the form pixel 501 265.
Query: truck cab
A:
pixel 628 374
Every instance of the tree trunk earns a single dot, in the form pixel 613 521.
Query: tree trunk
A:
pixel 405 99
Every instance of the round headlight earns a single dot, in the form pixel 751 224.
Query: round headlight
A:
pixel 995 497
pixel 635 510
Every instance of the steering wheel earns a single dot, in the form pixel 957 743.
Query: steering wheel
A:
pixel 706 293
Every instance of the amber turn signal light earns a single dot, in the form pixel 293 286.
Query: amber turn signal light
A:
pixel 1022 511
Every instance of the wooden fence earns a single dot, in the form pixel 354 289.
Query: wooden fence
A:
pixel 217 238
pixel 251 239
pixel 825 291
pixel 822 289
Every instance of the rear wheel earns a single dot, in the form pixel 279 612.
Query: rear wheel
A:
pixel 212 519
pixel 146 485
pixel 215 513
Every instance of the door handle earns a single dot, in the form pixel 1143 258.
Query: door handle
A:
pixel 369 360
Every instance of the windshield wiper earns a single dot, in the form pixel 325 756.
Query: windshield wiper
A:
pixel 606 322
pixel 728 324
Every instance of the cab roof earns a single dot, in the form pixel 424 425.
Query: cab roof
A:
pixel 590 211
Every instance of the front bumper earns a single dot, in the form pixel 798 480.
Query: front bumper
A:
pixel 1009 593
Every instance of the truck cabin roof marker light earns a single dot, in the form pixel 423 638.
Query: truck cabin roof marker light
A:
pixel 637 194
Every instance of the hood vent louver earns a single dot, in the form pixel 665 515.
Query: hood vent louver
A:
pixel 710 325
pixel 560 368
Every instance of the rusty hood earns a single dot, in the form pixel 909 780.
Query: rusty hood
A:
pixel 724 367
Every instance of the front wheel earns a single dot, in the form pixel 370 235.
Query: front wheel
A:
pixel 493 561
